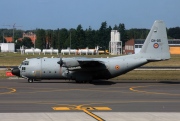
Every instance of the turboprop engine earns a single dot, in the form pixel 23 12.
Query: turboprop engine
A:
pixel 68 63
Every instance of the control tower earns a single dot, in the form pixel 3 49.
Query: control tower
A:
pixel 115 45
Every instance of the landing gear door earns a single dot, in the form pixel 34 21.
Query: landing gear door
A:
pixel 37 74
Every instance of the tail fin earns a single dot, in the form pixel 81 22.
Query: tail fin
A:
pixel 156 44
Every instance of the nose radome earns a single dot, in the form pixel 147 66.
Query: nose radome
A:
pixel 16 71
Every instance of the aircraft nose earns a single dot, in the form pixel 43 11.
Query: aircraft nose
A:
pixel 16 71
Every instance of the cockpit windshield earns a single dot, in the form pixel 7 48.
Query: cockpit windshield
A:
pixel 24 63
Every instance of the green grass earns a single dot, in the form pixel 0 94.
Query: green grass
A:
pixel 150 75
pixel 174 61
pixel 14 59
pixel 3 74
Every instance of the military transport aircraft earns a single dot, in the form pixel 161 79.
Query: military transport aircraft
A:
pixel 83 69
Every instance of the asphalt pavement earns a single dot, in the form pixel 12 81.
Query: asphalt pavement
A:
pixel 99 100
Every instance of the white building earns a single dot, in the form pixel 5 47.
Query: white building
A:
pixel 115 45
pixel 7 47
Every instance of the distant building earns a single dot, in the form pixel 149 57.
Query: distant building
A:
pixel 174 45
pixel 134 46
pixel 8 39
pixel 138 43
pixel 7 47
pixel 31 35
pixel 115 45
pixel 129 47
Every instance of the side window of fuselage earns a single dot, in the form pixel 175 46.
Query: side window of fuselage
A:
pixel 23 69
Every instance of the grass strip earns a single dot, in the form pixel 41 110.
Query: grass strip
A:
pixel 14 59
pixel 150 75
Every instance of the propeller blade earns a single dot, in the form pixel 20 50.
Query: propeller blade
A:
pixel 60 62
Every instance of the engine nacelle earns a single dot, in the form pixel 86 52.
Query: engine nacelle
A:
pixel 71 62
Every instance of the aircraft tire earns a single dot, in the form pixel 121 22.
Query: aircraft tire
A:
pixel 30 80
pixel 85 81
pixel 77 81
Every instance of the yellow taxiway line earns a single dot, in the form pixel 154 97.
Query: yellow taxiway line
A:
pixel 85 109
pixel 12 90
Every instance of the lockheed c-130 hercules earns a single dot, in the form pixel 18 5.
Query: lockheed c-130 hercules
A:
pixel 81 69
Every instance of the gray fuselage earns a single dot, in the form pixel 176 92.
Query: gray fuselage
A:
pixel 48 68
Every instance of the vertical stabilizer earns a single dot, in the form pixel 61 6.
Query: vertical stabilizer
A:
pixel 156 44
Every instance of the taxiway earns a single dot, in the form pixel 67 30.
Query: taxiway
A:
pixel 55 96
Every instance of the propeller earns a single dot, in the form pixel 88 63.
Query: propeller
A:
pixel 60 62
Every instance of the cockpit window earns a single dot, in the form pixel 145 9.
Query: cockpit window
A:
pixel 25 63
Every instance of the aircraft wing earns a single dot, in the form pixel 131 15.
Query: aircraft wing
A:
pixel 89 64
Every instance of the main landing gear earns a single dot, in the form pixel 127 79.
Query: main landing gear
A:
pixel 30 80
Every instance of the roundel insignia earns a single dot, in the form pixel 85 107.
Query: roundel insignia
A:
pixel 156 45
pixel 117 67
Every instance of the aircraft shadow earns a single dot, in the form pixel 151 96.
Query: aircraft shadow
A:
pixel 102 82
pixel 163 82
pixel 95 82
pixel 169 82
pixel 108 82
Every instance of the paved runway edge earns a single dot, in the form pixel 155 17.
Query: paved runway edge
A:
pixel 80 116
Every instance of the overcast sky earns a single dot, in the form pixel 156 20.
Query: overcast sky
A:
pixel 53 14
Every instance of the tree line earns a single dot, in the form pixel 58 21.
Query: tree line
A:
pixel 76 38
